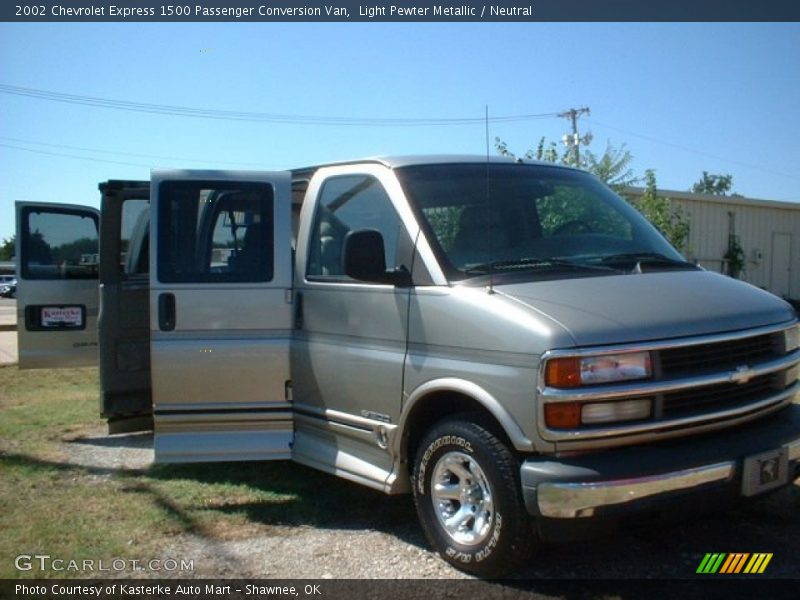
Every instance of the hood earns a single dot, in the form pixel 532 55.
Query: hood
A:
pixel 621 309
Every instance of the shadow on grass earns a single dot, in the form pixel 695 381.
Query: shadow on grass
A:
pixel 129 440
pixel 302 496
pixel 307 497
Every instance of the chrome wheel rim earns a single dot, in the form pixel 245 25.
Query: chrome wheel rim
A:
pixel 462 498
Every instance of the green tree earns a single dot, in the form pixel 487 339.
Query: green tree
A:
pixel 545 151
pixel 671 221
pixel 37 250
pixel 613 168
pixel 548 151
pixel 716 185
pixel 7 248
pixel 71 252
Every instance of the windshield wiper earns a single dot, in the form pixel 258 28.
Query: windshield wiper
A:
pixel 538 264
pixel 645 258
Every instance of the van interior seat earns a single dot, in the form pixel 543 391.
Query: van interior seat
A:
pixel 330 250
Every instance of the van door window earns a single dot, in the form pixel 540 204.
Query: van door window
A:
pixel 59 245
pixel 215 232
pixel 134 237
pixel 346 204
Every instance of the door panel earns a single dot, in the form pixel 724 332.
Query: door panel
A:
pixel 350 332
pixel 57 300
pixel 124 324
pixel 220 315
pixel 780 272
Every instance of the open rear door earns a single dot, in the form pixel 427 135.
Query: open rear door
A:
pixel 124 321
pixel 220 315
pixel 57 300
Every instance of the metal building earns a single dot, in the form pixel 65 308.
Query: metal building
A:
pixel 768 233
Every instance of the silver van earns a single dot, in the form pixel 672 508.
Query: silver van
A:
pixel 510 342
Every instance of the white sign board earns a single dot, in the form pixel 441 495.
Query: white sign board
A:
pixel 62 316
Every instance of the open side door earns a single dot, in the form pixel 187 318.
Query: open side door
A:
pixel 124 322
pixel 57 300
pixel 220 315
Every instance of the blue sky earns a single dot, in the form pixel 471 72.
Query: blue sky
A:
pixel 683 97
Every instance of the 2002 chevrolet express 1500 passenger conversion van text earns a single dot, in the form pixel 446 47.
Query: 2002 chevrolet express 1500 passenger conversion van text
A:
pixel 511 342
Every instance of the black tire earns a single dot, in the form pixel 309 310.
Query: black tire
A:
pixel 495 534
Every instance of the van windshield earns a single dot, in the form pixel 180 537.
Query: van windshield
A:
pixel 530 221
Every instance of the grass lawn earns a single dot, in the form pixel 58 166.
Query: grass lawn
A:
pixel 51 506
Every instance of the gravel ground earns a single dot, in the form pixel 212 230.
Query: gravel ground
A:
pixel 288 552
pixel 395 548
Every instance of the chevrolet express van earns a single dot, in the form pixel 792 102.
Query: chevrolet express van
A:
pixel 509 341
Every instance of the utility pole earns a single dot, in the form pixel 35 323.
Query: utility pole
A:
pixel 574 140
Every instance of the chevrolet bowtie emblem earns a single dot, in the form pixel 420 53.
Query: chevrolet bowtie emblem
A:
pixel 742 375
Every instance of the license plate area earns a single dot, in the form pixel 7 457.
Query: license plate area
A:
pixel 765 471
pixel 55 317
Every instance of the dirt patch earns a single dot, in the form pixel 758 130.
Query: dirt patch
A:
pixel 93 449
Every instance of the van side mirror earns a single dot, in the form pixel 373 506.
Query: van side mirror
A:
pixel 365 260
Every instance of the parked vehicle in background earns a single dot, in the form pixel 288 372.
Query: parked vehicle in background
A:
pixel 8 286
pixel 510 342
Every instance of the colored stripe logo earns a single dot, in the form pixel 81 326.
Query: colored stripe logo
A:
pixel 734 563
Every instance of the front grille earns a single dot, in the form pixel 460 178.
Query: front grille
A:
pixel 692 385
pixel 720 356
pixel 724 396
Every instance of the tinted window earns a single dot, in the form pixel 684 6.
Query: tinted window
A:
pixel 347 204
pixel 215 231
pixel 134 250
pixel 572 210
pixel 525 219
pixel 59 245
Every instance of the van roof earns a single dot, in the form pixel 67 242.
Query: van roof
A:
pixel 394 162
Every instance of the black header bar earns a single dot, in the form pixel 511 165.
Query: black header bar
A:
pixel 696 588
pixel 499 11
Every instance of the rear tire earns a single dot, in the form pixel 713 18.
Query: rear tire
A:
pixel 468 499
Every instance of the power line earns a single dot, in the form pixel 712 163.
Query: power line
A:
pixel 696 151
pixel 575 140
pixel 229 115
pixel 61 154
pixel 120 153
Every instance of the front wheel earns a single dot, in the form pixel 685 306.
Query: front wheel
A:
pixel 467 495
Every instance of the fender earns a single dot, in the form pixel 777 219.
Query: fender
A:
pixel 465 388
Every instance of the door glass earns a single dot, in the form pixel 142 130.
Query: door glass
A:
pixel 215 232
pixel 134 247
pixel 570 210
pixel 59 245
pixel 347 204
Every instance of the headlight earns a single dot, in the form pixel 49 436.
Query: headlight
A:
pixel 792 338
pixel 621 410
pixel 569 372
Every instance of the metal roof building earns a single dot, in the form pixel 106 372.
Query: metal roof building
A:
pixel 767 231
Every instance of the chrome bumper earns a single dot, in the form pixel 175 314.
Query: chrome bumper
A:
pixel 575 500
pixel 569 500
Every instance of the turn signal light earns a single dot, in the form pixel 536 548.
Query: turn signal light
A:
pixel 563 372
pixel 562 415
